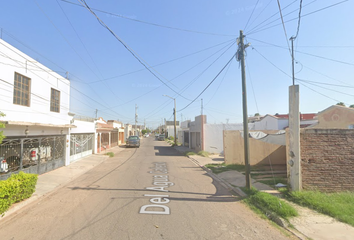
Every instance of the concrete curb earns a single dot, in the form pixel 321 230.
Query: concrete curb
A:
pixel 38 195
pixel 236 190
pixel 228 186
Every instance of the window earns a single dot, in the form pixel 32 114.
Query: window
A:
pixel 22 88
pixel 54 100
pixel 351 126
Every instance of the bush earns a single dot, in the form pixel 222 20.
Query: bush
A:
pixel 110 154
pixel 203 153
pixel 171 138
pixel 16 188
pixel 189 153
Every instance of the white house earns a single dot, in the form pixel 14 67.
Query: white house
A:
pixel 36 103
pixel 83 138
pixel 281 121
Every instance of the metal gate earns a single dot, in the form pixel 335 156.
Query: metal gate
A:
pixel 81 145
pixel 32 155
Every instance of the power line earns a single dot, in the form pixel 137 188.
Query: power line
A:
pixel 298 23
pixel 254 95
pixel 227 70
pixel 313 55
pixel 154 24
pixel 209 83
pixel 181 75
pixel 329 84
pixel 261 12
pixel 305 15
pixel 169 61
pixel 255 6
pixel 271 63
pixel 282 20
pixel 276 13
pixel 127 47
pixel 318 92
pixel 325 75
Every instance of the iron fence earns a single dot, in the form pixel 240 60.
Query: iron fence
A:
pixel 34 155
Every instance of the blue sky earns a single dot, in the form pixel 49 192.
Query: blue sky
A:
pixel 187 43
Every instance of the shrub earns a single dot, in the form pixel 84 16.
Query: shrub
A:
pixel 110 154
pixel 16 188
pixel 171 138
pixel 203 153
pixel 189 153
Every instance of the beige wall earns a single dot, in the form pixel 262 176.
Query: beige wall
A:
pixel 261 153
pixel 335 117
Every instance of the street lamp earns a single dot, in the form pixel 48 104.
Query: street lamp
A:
pixel 174 113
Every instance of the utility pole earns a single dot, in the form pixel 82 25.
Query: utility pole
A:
pixel 136 119
pixel 294 131
pixel 96 113
pixel 292 58
pixel 202 107
pixel 174 113
pixel 241 58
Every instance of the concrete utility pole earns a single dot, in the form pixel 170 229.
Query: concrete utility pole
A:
pixel 294 131
pixel 174 113
pixel 241 58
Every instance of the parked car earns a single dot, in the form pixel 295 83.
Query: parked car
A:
pixel 161 137
pixel 133 141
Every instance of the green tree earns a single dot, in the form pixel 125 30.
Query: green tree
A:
pixel 341 104
pixel 256 115
pixel 2 125
pixel 351 106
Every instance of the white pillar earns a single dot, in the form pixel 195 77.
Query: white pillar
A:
pixel 67 145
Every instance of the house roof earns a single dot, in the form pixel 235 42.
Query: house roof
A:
pixel 303 116
pixel 338 107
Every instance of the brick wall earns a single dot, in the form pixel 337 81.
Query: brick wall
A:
pixel 327 159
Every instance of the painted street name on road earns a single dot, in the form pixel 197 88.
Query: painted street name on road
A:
pixel 160 182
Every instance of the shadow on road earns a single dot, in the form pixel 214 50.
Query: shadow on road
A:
pixel 166 151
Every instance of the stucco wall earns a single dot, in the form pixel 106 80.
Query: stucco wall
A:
pixel 41 83
pixel 213 136
pixel 336 117
pixel 261 153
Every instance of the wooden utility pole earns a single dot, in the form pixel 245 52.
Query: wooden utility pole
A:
pixel 241 58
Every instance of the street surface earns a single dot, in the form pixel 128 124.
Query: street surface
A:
pixel 151 192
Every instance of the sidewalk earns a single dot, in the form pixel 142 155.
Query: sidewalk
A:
pixel 57 178
pixel 309 223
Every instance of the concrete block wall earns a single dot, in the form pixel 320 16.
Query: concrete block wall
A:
pixel 327 159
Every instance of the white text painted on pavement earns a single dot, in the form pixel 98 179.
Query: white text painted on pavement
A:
pixel 160 182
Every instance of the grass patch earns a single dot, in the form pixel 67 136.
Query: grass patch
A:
pixel 110 154
pixel 337 205
pixel 274 181
pixel 189 153
pixel 268 203
pixel 203 153
pixel 219 168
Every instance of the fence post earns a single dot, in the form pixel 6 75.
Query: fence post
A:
pixel 21 154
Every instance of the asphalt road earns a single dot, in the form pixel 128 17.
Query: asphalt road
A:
pixel 151 192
